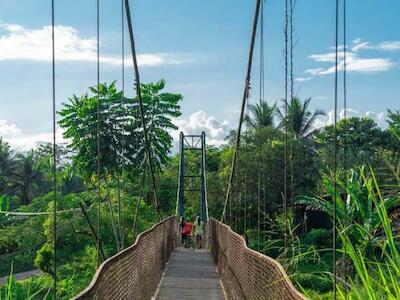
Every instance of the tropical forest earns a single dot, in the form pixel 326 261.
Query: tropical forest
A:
pixel 292 191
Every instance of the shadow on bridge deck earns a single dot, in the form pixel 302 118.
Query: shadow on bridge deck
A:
pixel 190 274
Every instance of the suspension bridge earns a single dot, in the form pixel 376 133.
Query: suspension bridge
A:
pixel 156 266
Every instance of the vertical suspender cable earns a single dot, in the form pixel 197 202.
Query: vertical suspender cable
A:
pixel 345 120
pixel 260 123
pixel 286 127
pixel 230 211
pixel 98 131
pixel 123 47
pixel 121 206
pixel 335 151
pixel 291 98
pixel 246 171
pixel 245 180
pixel 54 169
pixel 291 49
pixel 245 95
pixel 141 109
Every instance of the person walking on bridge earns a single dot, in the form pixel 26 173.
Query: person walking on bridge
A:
pixel 198 230
pixel 186 230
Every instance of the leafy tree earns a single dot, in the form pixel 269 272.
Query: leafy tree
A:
pixel 7 167
pixel 260 115
pixel 63 154
pixel 361 136
pixel 394 122
pixel 300 119
pixel 159 110
pixel 71 182
pixel 79 118
pixel 29 179
pixel 121 134
pixel 45 259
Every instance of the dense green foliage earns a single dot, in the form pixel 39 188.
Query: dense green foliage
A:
pixel 367 199
pixel 26 240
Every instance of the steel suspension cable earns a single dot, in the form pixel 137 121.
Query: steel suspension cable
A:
pixel 292 4
pixel 345 128
pixel 122 206
pixel 261 98
pixel 286 126
pixel 141 109
pixel 335 151
pixel 98 131
pixel 245 95
pixel 54 168
pixel 291 10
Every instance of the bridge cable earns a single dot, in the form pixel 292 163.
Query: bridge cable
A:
pixel 54 167
pixel 285 204
pixel 98 130
pixel 345 129
pixel 292 210
pixel 121 206
pixel 141 109
pixel 44 213
pixel 261 99
pixel 335 151
pixel 246 168
pixel 245 95
pixel 292 5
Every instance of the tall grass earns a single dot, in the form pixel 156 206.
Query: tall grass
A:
pixel 13 291
pixel 376 276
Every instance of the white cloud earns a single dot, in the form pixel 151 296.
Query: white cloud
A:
pixel 379 118
pixel 354 63
pixel 8 130
pixel 389 45
pixel 215 130
pixel 21 141
pixel 302 79
pixel 359 44
pixel 20 43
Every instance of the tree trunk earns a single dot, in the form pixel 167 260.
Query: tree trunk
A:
pixel 120 229
pixel 112 215
pixel 93 232
pixel 143 180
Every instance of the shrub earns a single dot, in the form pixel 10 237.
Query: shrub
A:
pixel 320 238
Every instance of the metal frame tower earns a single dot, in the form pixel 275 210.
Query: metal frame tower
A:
pixel 192 182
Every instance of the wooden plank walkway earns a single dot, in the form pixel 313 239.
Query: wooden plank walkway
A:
pixel 190 274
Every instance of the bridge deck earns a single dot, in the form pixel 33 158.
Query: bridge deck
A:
pixel 190 274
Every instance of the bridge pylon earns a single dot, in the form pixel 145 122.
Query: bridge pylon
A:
pixel 193 181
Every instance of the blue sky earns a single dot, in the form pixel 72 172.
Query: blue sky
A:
pixel 200 49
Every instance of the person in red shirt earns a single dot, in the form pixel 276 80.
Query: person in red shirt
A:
pixel 186 231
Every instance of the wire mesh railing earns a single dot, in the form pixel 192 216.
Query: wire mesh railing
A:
pixel 245 273
pixel 135 272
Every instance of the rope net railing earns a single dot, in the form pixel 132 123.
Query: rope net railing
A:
pixel 245 273
pixel 135 272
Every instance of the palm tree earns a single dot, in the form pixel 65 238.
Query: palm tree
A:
pixel 260 115
pixel 7 167
pixel 29 177
pixel 300 119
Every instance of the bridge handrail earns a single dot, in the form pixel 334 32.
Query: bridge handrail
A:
pixel 135 272
pixel 245 273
